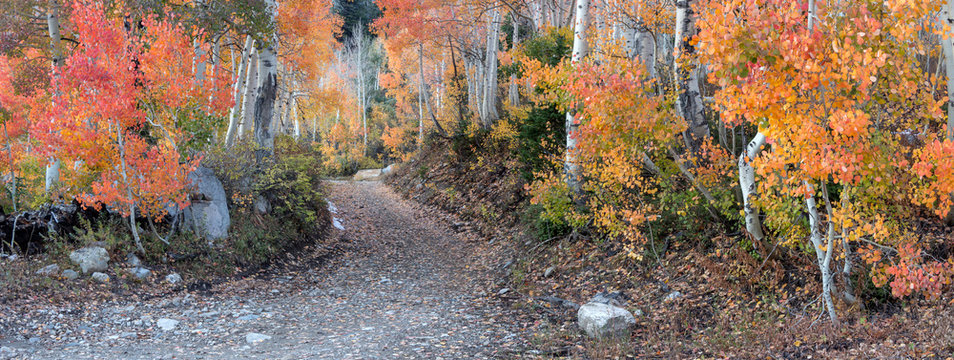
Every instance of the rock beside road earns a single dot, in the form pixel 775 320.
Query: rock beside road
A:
pixel 369 174
pixel 49 270
pixel 167 324
pixel 255 338
pixel 602 321
pixel 91 259
pixel 100 277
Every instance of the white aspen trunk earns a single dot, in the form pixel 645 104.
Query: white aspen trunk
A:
pixel 947 18
pixel 214 62
pixel 420 98
pixel 471 81
pixel 628 33
pixel 647 53
pixel 822 251
pixel 294 114
pixel 265 100
pixel 52 174
pixel 689 103
pixel 238 89
pixel 289 101
pixel 747 182
pixel 267 89
pixel 571 165
pixel 251 87
pixel 514 93
pixel 198 62
pixel 490 79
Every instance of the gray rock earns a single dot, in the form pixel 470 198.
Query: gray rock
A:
pixel 249 317
pixel 91 259
pixel 262 206
pixel 69 274
pixel 49 270
pixel 34 340
pixel 209 212
pixel 549 271
pixel 167 324
pixel 100 277
pixel 255 338
pixel 388 170
pixel 140 273
pixel 367 175
pixel 672 296
pixel 133 260
pixel 603 321
pixel 173 278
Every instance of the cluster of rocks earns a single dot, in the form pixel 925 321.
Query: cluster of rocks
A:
pixel 94 260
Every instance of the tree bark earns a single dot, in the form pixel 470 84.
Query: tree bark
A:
pixel 689 103
pixel 52 174
pixel 265 100
pixel 571 166
pixel 267 90
pixel 238 89
pixel 514 91
pixel 251 89
pixel 822 251
pixel 947 19
pixel 747 182
pixel 489 102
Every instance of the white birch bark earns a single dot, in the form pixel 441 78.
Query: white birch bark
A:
pixel 571 166
pixel 251 87
pixel 947 19
pixel 514 90
pixel 52 174
pixel 490 76
pixel 267 90
pixel 238 89
pixel 198 62
pixel 747 182
pixel 823 251
pixel 689 103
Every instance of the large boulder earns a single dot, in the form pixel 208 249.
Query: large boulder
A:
pixel 208 214
pixel 370 174
pixel 603 321
pixel 388 170
pixel 91 259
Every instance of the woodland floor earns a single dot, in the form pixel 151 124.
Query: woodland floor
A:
pixel 408 286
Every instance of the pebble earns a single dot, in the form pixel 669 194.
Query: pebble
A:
pixel 48 270
pixel 167 324
pixel 140 273
pixel 255 338
pixel 173 278
pixel 100 277
pixel 70 274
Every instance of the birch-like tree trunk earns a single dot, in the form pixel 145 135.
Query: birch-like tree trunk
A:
pixel 823 251
pixel 265 99
pixel 571 166
pixel 52 174
pixel 753 223
pixel 251 88
pixel 198 62
pixel 947 43
pixel 689 103
pixel 490 75
pixel 238 89
pixel 267 89
pixel 514 90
